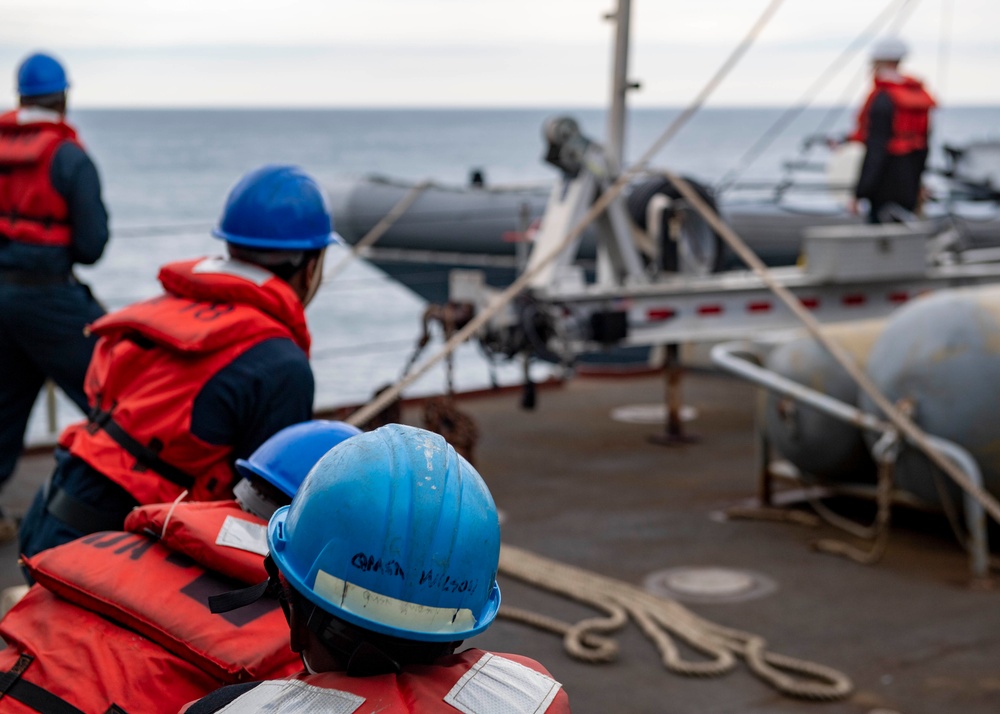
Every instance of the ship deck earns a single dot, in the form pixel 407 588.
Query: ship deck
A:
pixel 577 486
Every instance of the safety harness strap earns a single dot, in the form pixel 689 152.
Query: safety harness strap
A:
pixel 78 515
pixel 47 221
pixel 234 599
pixel 39 699
pixel 147 456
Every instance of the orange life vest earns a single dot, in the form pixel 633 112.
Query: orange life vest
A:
pixel 218 535
pixel 59 650
pixel 911 116
pixel 31 210
pixel 473 681
pixel 122 618
pixel 152 360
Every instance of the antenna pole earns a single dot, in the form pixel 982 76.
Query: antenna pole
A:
pixel 619 85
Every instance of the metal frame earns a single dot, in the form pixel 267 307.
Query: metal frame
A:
pixel 729 357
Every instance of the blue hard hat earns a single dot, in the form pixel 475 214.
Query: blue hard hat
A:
pixel 277 208
pixel 394 532
pixel 285 459
pixel 41 74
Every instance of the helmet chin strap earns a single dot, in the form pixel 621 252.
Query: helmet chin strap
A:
pixel 315 280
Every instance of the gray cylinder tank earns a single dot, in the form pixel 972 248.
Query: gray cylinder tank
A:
pixel 823 448
pixel 942 353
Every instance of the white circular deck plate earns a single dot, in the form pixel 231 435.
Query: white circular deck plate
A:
pixel 709 584
pixel 650 413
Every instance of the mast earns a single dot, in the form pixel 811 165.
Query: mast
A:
pixel 619 84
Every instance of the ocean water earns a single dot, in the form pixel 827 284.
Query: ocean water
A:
pixel 166 174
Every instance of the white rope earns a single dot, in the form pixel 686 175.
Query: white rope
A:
pixel 598 207
pixel 662 621
pixel 903 423
pixel 170 513
pixel 379 229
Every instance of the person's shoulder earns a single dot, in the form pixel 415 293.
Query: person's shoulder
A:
pixel 70 158
pixel 277 354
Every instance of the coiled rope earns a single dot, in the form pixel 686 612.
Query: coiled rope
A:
pixel 664 622
pixel 657 617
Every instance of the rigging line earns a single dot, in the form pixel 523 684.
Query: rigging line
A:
pixel 893 414
pixel 379 228
pixel 944 45
pixel 370 348
pixel 790 114
pixel 851 90
pixel 597 208
pixel 904 15
pixel 151 231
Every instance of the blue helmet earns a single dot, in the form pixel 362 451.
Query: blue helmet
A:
pixel 277 208
pixel 285 459
pixel 41 74
pixel 394 532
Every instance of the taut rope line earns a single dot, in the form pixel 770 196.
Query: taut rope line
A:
pixel 903 423
pixel 379 229
pixel 603 201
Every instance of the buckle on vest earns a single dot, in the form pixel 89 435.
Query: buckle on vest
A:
pixel 97 419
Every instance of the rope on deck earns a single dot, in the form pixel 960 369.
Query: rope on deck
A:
pixel 663 621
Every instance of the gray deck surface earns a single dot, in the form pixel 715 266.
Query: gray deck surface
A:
pixel 576 486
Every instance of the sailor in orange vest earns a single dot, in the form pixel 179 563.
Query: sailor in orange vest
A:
pixel 51 217
pixel 182 385
pixel 894 126
pixel 119 621
pixel 384 562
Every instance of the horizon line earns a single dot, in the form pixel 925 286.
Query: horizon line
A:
pixel 471 107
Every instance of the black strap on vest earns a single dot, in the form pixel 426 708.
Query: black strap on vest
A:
pixel 12 276
pixel 47 221
pixel 78 515
pixel 35 697
pixel 146 456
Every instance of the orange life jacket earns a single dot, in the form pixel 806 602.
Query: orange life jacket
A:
pixel 911 116
pixel 59 650
pixel 122 618
pixel 218 535
pixel 473 681
pixel 31 210
pixel 152 360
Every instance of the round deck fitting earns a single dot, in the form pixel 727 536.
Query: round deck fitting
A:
pixel 709 584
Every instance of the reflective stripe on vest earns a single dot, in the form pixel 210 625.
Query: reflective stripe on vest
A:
pixel 472 682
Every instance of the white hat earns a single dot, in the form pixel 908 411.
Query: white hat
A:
pixel 889 49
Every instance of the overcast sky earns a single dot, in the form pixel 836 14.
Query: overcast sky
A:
pixel 376 53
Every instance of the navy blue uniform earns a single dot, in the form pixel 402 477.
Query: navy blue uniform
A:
pixel 888 179
pixel 43 309
pixel 269 387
